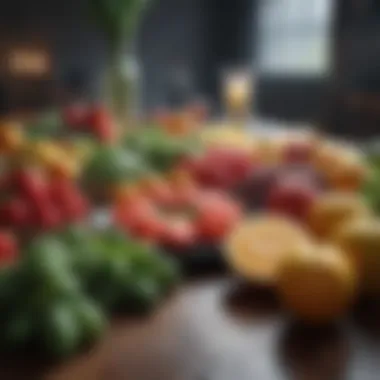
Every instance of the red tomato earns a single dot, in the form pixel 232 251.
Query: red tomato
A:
pixel 161 116
pixel 148 227
pixel 199 110
pixel 216 215
pixel 140 218
pixel 124 211
pixel 68 199
pixel 8 248
pixel 16 213
pixel 298 152
pixel 220 168
pixel 5 182
pixel 75 115
pixel 60 189
pixel 185 196
pixel 179 233
pixel 48 216
pixel 32 184
pixel 101 123
pixel 74 208
pixel 292 198
pixel 159 191
pixel 235 165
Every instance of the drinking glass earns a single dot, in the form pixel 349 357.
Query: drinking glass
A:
pixel 237 94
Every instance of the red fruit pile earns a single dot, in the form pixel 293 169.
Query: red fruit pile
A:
pixel 292 196
pixel 298 152
pixel 95 120
pixel 31 201
pixel 220 168
pixel 9 252
pixel 203 217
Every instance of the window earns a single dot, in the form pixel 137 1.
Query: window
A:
pixel 294 37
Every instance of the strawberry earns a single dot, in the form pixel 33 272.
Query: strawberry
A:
pixel 8 248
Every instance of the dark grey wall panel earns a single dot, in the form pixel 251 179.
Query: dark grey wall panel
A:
pixel 174 33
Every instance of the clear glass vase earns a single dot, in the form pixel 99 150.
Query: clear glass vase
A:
pixel 122 87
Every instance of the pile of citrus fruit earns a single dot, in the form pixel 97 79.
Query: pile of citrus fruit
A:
pixel 310 233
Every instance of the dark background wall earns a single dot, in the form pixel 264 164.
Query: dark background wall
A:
pixel 198 36
pixel 354 96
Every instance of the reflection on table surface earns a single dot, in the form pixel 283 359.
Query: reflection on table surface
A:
pixel 218 329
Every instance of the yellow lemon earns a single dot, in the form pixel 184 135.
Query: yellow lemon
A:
pixel 317 283
pixel 256 247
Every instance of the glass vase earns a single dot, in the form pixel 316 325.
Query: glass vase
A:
pixel 122 86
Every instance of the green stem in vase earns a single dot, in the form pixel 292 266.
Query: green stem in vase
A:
pixel 119 20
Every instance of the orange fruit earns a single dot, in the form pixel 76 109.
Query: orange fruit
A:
pixel 343 166
pixel 270 150
pixel 256 246
pixel 125 192
pixel 360 240
pixel 149 182
pixel 349 171
pixel 317 283
pixel 333 209
pixel 180 177
pixel 12 137
pixel 68 168
pixel 326 156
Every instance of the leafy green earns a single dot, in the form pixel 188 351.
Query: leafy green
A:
pixel 371 189
pixel 58 296
pixel 161 150
pixel 117 18
pixel 112 165
pixel 60 329
pixel 47 124
pixel 42 302
pixel 125 267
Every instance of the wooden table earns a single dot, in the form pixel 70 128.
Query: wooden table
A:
pixel 216 329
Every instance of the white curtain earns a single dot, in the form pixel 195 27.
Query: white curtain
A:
pixel 294 37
